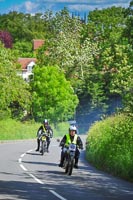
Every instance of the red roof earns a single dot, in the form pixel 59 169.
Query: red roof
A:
pixel 37 44
pixel 25 61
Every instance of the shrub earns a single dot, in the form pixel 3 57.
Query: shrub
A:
pixel 110 146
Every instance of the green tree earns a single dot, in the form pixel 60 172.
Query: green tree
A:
pixel 53 96
pixel 106 25
pixel 128 29
pixel 122 76
pixel 75 59
pixel 14 94
pixel 24 49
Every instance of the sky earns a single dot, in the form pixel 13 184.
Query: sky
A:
pixel 74 6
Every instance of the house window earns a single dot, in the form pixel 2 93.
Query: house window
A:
pixel 30 66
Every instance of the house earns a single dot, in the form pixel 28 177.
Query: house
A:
pixel 27 64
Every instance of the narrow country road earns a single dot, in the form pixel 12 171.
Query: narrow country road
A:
pixel 25 174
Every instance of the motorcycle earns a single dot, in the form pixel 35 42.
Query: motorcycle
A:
pixel 69 158
pixel 43 142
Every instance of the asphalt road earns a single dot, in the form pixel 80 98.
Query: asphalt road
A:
pixel 25 174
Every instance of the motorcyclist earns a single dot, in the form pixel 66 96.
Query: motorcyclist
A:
pixel 71 137
pixel 44 128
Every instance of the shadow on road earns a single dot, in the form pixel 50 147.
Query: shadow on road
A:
pixel 23 190
pixel 91 184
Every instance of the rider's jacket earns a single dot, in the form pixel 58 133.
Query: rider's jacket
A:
pixel 69 141
pixel 44 129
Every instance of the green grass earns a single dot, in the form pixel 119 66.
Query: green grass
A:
pixel 15 130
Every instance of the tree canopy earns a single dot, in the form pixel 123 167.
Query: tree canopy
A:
pixel 95 58
pixel 14 95
pixel 52 95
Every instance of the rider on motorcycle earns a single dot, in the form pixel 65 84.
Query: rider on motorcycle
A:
pixel 71 137
pixel 44 128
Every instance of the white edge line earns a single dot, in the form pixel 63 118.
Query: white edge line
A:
pixel 23 167
pixel 36 179
pixel 57 195
pixel 22 155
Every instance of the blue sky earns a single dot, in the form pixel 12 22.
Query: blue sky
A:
pixel 77 6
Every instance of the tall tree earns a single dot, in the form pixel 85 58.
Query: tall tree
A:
pixel 53 96
pixel 76 60
pixel 128 29
pixel 14 92
pixel 106 25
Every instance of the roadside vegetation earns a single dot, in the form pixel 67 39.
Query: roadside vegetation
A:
pixel 15 130
pixel 110 146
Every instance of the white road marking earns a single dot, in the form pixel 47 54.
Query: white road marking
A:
pixel 36 179
pixel 22 155
pixel 23 167
pixel 57 195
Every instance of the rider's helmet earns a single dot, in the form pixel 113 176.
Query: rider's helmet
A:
pixel 45 122
pixel 72 128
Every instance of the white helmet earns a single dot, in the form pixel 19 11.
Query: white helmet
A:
pixel 72 128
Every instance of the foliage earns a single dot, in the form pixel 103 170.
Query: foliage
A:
pixel 14 95
pixel 106 25
pixel 6 39
pixel 24 49
pixel 95 57
pixel 53 96
pixel 110 145
pixel 21 131
pixel 114 62
pixel 61 129
pixel 121 74
pixel 26 27
pixel 76 60
pixel 128 30
pixel 27 130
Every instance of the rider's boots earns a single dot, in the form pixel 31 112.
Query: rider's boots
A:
pixel 62 160
pixel 48 143
pixel 76 163
pixel 38 144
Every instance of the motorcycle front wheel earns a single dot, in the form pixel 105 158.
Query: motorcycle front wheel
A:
pixel 43 147
pixel 70 167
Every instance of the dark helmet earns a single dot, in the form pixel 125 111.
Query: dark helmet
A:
pixel 45 121
pixel 73 128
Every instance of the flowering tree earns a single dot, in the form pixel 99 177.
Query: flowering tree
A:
pixel 6 39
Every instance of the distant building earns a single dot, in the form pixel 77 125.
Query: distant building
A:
pixel 37 43
pixel 27 64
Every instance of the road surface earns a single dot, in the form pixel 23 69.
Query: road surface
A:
pixel 25 174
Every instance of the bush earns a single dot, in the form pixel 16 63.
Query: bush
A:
pixel 110 146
